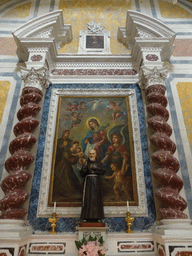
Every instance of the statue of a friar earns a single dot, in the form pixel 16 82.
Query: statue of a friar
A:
pixel 92 205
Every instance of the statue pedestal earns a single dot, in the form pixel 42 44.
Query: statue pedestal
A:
pixel 92 230
pixel 11 228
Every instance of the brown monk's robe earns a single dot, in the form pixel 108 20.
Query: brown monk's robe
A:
pixel 92 208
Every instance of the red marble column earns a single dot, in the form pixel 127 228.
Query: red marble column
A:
pixel 16 165
pixel 172 204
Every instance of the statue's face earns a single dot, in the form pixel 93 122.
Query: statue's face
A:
pixel 92 154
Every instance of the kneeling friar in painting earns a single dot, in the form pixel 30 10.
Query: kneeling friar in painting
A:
pixel 92 208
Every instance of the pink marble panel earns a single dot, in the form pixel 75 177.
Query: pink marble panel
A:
pixel 152 57
pixel 36 57
pixel 47 248
pixel 93 72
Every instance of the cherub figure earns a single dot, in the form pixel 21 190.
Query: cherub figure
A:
pixel 75 119
pixel 82 106
pixel 73 107
pixel 122 183
pixel 117 110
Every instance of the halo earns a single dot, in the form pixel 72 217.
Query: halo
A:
pixel 92 117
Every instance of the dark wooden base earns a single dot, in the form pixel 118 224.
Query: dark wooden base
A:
pixel 91 224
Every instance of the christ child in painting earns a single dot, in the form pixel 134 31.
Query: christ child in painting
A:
pixel 122 183
pixel 117 110
pixel 81 155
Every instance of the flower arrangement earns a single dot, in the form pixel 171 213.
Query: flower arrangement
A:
pixel 91 247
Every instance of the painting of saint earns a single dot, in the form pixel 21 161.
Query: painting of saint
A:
pixel 102 124
pixel 95 42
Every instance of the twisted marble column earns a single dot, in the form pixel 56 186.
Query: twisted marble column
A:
pixel 17 164
pixel 172 204
pixel 13 185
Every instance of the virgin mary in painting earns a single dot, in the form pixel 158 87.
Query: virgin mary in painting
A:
pixel 103 125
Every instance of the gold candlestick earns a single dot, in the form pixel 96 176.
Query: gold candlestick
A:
pixel 129 219
pixel 53 222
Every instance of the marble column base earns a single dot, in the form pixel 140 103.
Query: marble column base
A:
pixel 174 226
pixel 10 228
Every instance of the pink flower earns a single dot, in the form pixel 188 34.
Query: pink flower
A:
pixel 92 248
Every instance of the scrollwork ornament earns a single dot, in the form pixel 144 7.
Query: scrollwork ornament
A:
pixel 95 27
pixel 35 77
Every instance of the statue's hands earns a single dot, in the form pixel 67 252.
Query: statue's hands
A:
pixel 84 162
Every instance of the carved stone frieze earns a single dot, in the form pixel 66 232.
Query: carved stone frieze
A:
pixel 38 50
pixel 95 27
pixel 46 33
pixel 144 33
pixel 43 209
pixel 87 64
pixel 151 49
pixel 94 72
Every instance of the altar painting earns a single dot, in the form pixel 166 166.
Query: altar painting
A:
pixel 102 124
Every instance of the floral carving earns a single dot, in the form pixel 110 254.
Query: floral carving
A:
pixel 36 57
pixel 95 27
pixel 35 78
pixel 152 57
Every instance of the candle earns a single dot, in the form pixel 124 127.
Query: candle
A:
pixel 127 206
pixel 54 210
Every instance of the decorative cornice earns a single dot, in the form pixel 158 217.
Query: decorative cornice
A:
pixel 94 72
pixel 44 31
